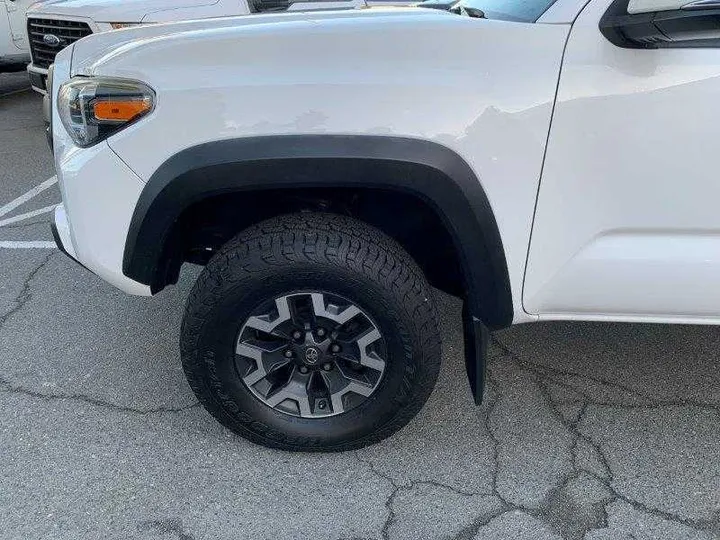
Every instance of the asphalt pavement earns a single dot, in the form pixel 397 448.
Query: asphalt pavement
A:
pixel 589 431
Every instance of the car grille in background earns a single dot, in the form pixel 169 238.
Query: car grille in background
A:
pixel 68 32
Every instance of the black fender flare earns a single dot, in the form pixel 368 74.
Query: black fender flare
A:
pixel 428 170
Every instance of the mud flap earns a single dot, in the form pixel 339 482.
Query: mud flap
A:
pixel 477 337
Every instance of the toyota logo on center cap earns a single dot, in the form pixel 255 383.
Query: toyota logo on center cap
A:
pixel 51 40
pixel 312 355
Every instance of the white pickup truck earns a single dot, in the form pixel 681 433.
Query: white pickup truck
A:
pixel 541 160
pixel 54 24
pixel 14 52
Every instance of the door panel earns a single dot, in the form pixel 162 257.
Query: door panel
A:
pixel 16 13
pixel 627 221
pixel 6 42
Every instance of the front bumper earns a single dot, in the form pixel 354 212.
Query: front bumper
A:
pixel 38 78
pixel 14 62
pixel 61 233
pixel 99 195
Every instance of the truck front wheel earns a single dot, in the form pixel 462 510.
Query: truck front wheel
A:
pixel 311 332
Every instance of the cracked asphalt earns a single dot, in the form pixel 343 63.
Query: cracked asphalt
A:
pixel 589 431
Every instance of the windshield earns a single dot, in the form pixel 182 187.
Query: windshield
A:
pixel 511 10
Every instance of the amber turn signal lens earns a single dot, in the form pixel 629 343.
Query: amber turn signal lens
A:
pixel 95 108
pixel 120 110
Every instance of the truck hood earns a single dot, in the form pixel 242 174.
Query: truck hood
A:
pixel 112 10
pixel 99 49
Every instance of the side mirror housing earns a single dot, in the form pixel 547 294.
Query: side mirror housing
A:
pixel 691 24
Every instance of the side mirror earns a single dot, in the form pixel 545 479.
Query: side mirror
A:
pixel 652 24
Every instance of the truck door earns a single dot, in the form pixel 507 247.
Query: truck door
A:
pixel 627 222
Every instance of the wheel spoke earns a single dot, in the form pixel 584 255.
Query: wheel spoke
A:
pixel 334 313
pixel 265 360
pixel 349 358
pixel 335 381
pixel 265 323
pixel 337 398
pixel 295 390
pixel 339 384
pixel 371 359
pixel 301 312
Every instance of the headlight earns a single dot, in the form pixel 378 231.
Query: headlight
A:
pixel 92 109
pixel 119 25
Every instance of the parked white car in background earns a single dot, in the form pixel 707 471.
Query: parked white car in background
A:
pixel 55 24
pixel 14 52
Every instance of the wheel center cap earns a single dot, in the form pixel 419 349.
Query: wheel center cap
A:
pixel 312 355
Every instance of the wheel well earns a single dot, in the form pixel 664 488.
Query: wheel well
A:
pixel 207 224
pixel 419 192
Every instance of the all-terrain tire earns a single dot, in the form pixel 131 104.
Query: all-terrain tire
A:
pixel 312 252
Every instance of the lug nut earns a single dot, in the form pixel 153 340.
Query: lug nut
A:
pixel 335 348
pixel 297 334
pixel 321 332
pixel 288 354
pixel 327 367
pixel 303 369
pixel 321 405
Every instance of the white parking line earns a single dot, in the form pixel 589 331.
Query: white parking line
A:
pixel 32 244
pixel 27 215
pixel 12 205
pixel 22 199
